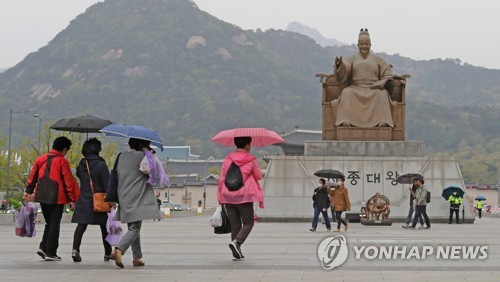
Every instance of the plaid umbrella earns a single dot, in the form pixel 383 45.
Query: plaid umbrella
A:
pixel 133 131
pixel 261 137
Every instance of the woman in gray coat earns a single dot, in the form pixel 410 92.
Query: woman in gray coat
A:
pixel 84 207
pixel 137 200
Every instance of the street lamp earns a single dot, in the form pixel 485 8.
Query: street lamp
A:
pixel 39 131
pixel 187 175
pixel 12 111
pixel 205 182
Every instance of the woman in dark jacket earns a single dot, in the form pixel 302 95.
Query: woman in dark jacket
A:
pixel 84 207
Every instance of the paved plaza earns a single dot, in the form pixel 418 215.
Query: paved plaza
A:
pixel 185 249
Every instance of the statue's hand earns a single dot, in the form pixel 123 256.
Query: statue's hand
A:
pixel 338 61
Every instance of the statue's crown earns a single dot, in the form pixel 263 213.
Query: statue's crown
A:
pixel 364 32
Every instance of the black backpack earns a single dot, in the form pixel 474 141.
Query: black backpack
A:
pixel 234 178
pixel 428 197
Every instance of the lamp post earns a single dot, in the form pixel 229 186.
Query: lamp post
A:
pixel 39 131
pixel 187 175
pixel 12 111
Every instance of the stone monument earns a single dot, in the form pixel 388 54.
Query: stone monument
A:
pixel 363 127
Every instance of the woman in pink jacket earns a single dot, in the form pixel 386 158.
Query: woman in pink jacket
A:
pixel 239 203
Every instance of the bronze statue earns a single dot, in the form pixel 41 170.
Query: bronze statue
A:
pixel 363 99
pixel 365 102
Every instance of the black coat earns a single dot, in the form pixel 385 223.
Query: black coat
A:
pixel 321 198
pixel 84 208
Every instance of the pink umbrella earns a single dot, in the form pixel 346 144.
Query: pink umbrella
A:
pixel 261 137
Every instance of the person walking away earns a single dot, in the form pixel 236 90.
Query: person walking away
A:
pixel 341 202
pixel 412 208
pixel 53 186
pixel 330 186
pixel 239 203
pixel 93 173
pixel 136 197
pixel 158 202
pixel 421 203
pixel 455 202
pixel 321 203
pixel 479 206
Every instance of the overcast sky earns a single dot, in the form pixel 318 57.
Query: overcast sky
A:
pixel 420 30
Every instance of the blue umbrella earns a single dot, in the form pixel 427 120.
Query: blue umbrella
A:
pixel 450 189
pixel 133 131
pixel 480 198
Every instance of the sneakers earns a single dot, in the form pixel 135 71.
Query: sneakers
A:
pixel 41 253
pixel 411 227
pixel 405 226
pixel 427 227
pixel 346 227
pixel 235 248
pixel 52 258
pixel 75 255
pixel 336 230
pixel 312 229
pixel 421 226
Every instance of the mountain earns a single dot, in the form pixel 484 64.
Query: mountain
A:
pixel 314 34
pixel 170 66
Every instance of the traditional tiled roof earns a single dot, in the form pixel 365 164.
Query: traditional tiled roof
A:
pixel 299 136
pixel 176 152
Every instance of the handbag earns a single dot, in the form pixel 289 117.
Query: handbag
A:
pixel 225 228
pixel 98 198
pixel 112 191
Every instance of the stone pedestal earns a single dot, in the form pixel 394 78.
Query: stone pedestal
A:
pixel 369 167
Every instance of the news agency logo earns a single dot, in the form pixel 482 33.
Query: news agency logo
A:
pixel 333 252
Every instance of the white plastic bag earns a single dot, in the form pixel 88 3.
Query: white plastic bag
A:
pixel 216 219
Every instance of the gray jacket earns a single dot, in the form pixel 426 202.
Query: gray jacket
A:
pixel 137 198
pixel 421 196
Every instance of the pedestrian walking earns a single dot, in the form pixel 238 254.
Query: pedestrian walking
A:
pixel 93 174
pixel 412 208
pixel 479 207
pixel 136 197
pixel 239 203
pixel 421 203
pixel 341 202
pixel 53 185
pixel 321 203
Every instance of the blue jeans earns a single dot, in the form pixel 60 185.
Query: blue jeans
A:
pixel 410 213
pixel 318 210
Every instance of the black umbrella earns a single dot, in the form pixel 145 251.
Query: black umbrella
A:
pixel 83 124
pixel 407 178
pixel 328 173
pixel 450 190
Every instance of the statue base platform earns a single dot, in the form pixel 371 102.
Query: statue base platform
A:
pixel 376 222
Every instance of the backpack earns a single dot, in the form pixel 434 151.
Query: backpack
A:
pixel 428 197
pixel 47 188
pixel 234 178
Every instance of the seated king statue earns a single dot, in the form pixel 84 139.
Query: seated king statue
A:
pixel 365 102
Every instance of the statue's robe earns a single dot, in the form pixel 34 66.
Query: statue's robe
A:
pixel 364 102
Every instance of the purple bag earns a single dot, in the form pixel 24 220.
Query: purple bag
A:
pixel 115 231
pixel 26 220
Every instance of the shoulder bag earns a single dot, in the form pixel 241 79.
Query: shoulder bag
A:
pixel 99 204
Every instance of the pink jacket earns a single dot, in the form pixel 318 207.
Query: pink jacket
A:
pixel 251 190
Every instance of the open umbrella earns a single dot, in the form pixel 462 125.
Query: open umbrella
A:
pixel 450 189
pixel 83 124
pixel 480 198
pixel 328 173
pixel 407 178
pixel 261 137
pixel 133 131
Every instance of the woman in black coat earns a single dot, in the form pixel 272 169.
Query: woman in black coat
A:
pixel 84 207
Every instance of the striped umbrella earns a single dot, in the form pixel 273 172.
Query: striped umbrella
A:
pixel 133 131
pixel 261 137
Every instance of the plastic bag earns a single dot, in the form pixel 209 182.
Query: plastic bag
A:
pixel 25 220
pixel 216 219
pixel 114 227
